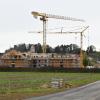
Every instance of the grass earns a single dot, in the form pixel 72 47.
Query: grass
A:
pixel 25 84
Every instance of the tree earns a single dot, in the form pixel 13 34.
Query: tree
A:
pixel 74 48
pixel 85 60
pixel 57 49
pixel 38 48
pixel 49 49
pixel 91 49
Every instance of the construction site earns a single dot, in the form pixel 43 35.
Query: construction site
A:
pixel 32 59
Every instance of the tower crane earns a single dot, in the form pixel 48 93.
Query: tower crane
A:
pixel 71 32
pixel 81 44
pixel 44 17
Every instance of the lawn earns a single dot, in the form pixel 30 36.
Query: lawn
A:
pixel 19 85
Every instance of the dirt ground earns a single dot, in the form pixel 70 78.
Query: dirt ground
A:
pixel 16 96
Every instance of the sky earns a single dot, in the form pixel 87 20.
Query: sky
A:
pixel 16 21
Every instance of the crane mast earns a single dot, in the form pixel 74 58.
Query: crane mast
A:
pixel 44 17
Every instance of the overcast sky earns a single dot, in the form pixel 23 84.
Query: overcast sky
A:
pixel 16 21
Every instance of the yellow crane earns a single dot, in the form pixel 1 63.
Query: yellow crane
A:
pixel 81 42
pixel 71 32
pixel 44 17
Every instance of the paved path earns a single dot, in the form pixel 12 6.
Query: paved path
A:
pixel 87 92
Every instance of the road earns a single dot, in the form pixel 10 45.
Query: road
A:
pixel 87 92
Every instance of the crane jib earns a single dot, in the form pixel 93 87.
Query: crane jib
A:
pixel 55 16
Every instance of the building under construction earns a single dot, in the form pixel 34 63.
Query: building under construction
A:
pixel 30 59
